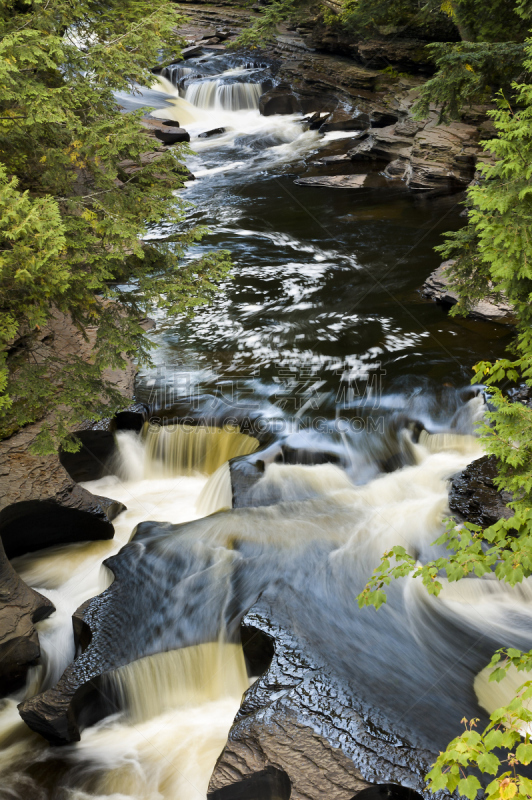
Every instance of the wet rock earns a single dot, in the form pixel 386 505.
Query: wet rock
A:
pixel 294 717
pixel 387 791
pixel 437 288
pixel 523 394
pixel 34 524
pixel 208 134
pixel 192 50
pixel 474 496
pixel 316 119
pixel 165 133
pixel 246 471
pixel 425 155
pixel 131 419
pixel 335 181
pixel 207 409
pixel 20 608
pixel 93 460
pixel 173 135
pixel 150 621
pixel 333 159
pixel 268 784
pixel 280 100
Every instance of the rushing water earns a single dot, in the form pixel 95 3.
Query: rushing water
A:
pixel 320 325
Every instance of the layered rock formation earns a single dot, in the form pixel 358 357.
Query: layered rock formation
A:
pixel 352 84
pixel 437 288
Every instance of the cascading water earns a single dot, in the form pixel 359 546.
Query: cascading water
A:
pixel 299 304
pixel 221 96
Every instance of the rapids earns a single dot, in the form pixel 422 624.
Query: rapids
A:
pixel 307 338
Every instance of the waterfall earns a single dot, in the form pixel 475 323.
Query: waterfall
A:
pixel 177 75
pixel 224 96
pixel 187 677
pixel 170 450
pixel 217 494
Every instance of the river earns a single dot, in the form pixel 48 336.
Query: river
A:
pixel 321 332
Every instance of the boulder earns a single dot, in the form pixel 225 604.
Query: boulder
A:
pixel 93 460
pixel 280 100
pixel 20 608
pixel 267 784
pixel 474 497
pixel 164 132
pixel 34 524
pixel 213 132
pixel 150 602
pixel 173 135
pixel 436 288
pixel 293 719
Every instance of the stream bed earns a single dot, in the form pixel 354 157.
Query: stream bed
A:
pixel 322 337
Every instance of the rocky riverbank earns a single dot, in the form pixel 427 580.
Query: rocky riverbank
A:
pixel 319 71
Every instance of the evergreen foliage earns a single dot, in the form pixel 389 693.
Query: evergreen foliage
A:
pixel 72 222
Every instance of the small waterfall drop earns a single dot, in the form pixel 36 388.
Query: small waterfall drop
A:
pixel 217 494
pixel 187 677
pixel 165 451
pixel 189 449
pixel 222 96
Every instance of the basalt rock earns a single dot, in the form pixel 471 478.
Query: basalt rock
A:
pixel 33 524
pixel 20 608
pixel 92 460
pixel 408 55
pixel 162 616
pixel 295 716
pixel 474 496
pixel 423 154
pixel 268 784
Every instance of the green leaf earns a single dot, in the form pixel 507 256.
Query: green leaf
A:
pixel 469 787
pixel 524 753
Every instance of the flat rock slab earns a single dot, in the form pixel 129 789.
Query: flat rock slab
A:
pixel 437 288
pixel 335 181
